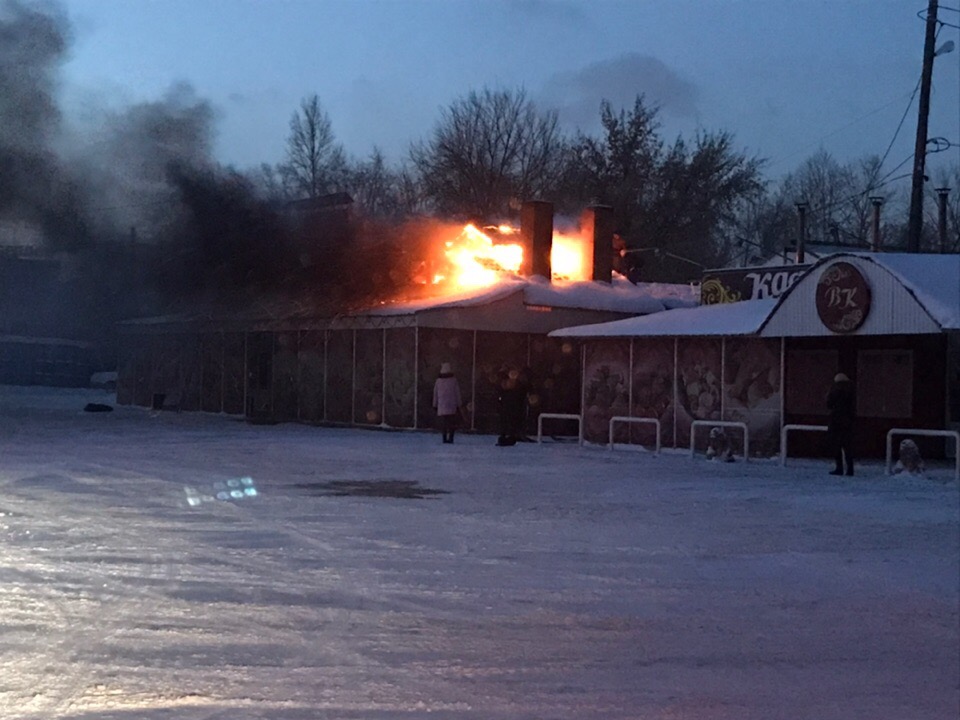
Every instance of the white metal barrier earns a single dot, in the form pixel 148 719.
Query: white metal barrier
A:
pixel 559 416
pixel 721 423
pixel 927 433
pixel 784 432
pixel 627 419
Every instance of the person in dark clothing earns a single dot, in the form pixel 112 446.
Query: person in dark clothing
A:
pixel 512 406
pixel 842 408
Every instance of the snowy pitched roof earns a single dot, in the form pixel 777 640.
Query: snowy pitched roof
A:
pixel 741 318
pixel 933 279
pixel 619 296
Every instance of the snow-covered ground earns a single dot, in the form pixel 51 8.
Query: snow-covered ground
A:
pixel 545 581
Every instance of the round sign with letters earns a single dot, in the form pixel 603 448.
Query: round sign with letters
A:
pixel 843 298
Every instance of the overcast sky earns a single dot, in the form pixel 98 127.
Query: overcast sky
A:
pixel 784 76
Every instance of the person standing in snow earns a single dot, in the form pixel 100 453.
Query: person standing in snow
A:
pixel 447 401
pixel 842 408
pixel 511 406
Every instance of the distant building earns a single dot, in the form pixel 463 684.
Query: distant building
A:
pixel 39 343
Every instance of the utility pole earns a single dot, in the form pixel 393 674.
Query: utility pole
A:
pixel 915 226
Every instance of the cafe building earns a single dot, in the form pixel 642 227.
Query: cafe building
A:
pixel 889 321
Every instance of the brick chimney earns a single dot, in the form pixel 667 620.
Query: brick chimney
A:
pixel 596 226
pixel 536 234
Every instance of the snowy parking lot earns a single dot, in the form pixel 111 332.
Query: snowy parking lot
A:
pixel 188 567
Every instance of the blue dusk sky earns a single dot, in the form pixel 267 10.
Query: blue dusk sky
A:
pixel 786 77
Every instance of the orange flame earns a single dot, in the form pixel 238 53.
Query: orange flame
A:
pixel 477 261
pixel 570 258
pixel 473 259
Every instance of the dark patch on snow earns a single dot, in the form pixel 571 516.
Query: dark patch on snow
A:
pixel 403 489
pixel 97 407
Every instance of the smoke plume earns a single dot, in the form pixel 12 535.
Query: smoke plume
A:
pixel 35 187
pixel 134 197
pixel 126 158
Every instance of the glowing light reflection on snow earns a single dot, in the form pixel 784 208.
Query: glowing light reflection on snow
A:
pixel 233 489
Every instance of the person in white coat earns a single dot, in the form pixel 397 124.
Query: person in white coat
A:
pixel 447 401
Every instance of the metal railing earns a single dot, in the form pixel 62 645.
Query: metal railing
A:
pixel 627 419
pixel 925 433
pixel 559 416
pixel 785 432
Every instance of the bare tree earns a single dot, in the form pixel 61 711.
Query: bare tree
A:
pixel 315 163
pixel 839 197
pixel 489 150
pixel 829 188
pixel 675 207
pixel 374 186
pixel 946 177
pixel 267 180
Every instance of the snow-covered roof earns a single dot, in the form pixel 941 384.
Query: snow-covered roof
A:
pixel 741 318
pixel 933 279
pixel 618 296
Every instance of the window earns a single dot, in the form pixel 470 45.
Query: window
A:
pixel 885 383
pixel 809 376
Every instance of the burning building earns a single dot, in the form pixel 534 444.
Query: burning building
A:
pixel 483 300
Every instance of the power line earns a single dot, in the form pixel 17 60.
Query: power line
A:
pixel 896 132
pixel 850 124
pixel 822 211
pixel 922 14
pixel 874 184
pixel 884 180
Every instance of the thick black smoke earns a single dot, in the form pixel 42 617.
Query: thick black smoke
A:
pixel 231 247
pixel 75 185
pixel 124 159
pixel 134 195
pixel 35 187
pixel 225 241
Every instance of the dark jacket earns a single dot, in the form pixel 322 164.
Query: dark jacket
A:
pixel 842 406
pixel 512 404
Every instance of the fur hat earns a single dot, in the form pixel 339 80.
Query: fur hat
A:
pixel 840 377
pixel 445 369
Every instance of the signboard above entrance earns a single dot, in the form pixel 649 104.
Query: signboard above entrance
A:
pixel 843 298
pixel 735 284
